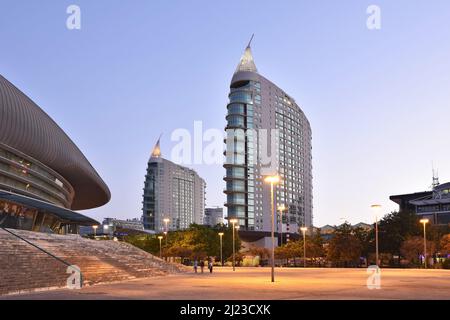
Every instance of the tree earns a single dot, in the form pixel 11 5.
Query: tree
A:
pixel 365 239
pixel 262 253
pixel 182 252
pixel 149 243
pixel 196 242
pixel 435 233
pixel 412 248
pixel 445 244
pixel 281 253
pixel 344 248
pixel 394 229
pixel 314 246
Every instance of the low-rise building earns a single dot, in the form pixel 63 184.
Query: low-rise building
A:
pixel 433 205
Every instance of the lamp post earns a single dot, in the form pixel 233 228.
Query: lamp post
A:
pixel 165 236
pixel 273 180
pixel 424 222
pixel 376 209
pixel 95 230
pixel 233 222
pixel 160 246
pixel 304 229
pixel 281 209
pixel 166 222
pixel 106 228
pixel 221 248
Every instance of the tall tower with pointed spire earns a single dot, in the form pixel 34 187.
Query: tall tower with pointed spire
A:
pixel 256 104
pixel 171 192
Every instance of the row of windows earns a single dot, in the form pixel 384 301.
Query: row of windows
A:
pixel 27 165
pixel 35 182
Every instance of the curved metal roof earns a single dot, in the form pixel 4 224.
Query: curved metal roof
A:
pixel 24 126
pixel 63 214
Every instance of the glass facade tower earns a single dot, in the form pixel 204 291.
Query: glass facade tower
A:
pixel 259 111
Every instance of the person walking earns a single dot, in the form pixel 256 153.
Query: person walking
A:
pixel 210 265
pixel 202 264
pixel 195 265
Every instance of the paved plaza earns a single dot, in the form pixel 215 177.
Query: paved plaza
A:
pixel 254 283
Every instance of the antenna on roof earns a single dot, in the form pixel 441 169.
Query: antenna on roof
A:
pixel 250 42
pixel 435 177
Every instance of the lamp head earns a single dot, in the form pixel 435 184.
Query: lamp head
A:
pixel 424 221
pixel 220 233
pixel 272 179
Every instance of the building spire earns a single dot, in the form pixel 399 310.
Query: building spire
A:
pixel 156 153
pixel 250 42
pixel 247 62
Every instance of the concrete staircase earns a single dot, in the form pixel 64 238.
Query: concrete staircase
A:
pixel 26 268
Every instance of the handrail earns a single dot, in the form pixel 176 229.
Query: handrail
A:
pixel 44 251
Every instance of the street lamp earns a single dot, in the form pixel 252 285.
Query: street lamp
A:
pixel 376 210
pixel 281 209
pixel 304 229
pixel 273 180
pixel 166 222
pixel 95 230
pixel 221 248
pixel 424 222
pixel 234 221
pixel 165 235
pixel 160 246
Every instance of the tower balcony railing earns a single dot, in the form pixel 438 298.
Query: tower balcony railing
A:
pixel 229 178
pixel 234 190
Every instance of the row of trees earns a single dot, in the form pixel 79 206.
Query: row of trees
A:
pixel 400 239
pixel 197 242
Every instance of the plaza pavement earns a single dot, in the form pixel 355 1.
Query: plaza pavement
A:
pixel 254 284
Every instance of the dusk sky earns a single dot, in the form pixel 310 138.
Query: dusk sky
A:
pixel 378 100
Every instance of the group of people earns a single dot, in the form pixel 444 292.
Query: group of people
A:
pixel 202 265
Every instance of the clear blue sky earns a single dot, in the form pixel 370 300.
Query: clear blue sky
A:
pixel 378 101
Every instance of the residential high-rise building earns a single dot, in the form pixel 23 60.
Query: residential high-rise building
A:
pixel 171 192
pixel 258 108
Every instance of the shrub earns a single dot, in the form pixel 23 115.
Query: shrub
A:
pixel 446 264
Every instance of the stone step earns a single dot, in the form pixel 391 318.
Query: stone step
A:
pixel 24 267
